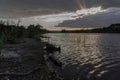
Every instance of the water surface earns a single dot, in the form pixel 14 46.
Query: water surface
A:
pixel 88 56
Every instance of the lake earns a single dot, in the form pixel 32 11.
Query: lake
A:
pixel 88 56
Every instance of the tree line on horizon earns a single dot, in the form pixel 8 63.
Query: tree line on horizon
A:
pixel 10 33
pixel 113 28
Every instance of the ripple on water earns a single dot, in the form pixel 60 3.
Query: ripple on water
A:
pixel 88 55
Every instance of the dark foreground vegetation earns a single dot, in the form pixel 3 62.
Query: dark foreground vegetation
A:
pixel 22 53
pixel 113 28
pixel 10 33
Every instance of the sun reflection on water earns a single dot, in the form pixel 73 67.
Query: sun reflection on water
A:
pixel 88 55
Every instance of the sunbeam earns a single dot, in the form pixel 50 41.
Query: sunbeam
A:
pixel 81 4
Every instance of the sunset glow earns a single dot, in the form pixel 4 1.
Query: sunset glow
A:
pixel 89 11
pixel 81 4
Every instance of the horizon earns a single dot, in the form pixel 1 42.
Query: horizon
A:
pixel 65 14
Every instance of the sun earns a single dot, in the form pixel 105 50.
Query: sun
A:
pixel 84 11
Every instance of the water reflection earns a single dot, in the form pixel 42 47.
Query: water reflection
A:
pixel 88 56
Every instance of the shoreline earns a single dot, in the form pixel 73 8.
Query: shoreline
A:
pixel 27 60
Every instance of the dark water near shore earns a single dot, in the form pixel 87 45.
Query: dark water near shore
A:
pixel 88 56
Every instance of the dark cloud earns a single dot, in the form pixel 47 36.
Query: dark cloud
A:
pixel 111 15
pixel 35 7
pixel 18 8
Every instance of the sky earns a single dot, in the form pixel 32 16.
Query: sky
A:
pixel 56 14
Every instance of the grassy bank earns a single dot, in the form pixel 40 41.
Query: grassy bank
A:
pixel 9 33
pixel 22 53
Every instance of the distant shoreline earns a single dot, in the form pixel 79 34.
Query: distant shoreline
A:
pixel 113 28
